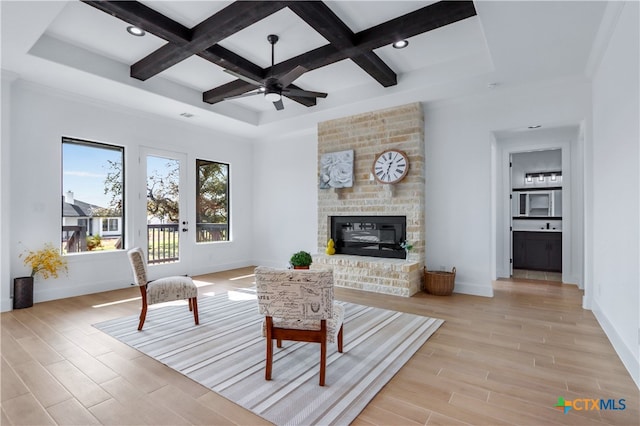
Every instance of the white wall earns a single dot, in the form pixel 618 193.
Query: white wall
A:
pixel 39 119
pixel 285 197
pixel 459 212
pixel 461 170
pixel 5 191
pixel 614 162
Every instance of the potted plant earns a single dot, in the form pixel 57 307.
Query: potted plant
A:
pixel 301 260
pixel 47 262
pixel 407 246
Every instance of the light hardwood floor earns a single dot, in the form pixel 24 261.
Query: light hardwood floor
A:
pixel 500 360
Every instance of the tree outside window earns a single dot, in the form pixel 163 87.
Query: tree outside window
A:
pixel 212 203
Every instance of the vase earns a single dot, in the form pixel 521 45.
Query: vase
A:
pixel 301 267
pixel 22 292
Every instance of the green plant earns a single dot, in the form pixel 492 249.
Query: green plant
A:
pixel 301 258
pixel 93 242
pixel 406 245
pixel 47 261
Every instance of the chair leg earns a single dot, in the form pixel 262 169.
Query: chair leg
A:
pixel 267 370
pixel 190 304
pixel 193 303
pixel 323 351
pixel 143 312
pixel 279 343
pixel 143 316
pixel 340 340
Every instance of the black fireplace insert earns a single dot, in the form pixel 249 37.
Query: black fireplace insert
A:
pixel 376 236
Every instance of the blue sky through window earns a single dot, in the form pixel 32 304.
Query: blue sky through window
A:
pixel 85 169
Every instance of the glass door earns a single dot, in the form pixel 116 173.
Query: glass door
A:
pixel 166 212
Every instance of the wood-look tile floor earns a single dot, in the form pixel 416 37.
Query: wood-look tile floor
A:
pixel 500 360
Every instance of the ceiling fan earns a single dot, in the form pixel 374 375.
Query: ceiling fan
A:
pixel 274 88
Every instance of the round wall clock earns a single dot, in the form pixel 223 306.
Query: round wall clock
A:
pixel 391 166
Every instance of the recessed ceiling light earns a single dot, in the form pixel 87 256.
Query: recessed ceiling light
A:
pixel 537 126
pixel 400 44
pixel 186 115
pixel 135 31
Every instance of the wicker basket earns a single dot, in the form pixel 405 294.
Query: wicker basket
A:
pixel 439 283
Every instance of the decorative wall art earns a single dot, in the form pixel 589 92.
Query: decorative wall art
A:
pixel 336 170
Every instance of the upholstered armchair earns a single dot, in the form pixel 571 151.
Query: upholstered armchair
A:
pixel 161 290
pixel 298 305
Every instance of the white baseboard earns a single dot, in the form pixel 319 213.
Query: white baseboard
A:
pixel 6 305
pixel 631 362
pixel 44 295
pixel 473 289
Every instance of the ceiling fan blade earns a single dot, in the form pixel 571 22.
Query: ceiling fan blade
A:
pixel 292 75
pixel 243 78
pixel 278 104
pixel 303 93
pixel 244 95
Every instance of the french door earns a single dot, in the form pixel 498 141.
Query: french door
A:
pixel 166 230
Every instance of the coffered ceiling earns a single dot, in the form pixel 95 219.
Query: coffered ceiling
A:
pixel 178 68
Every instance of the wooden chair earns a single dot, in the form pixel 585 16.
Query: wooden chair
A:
pixel 298 305
pixel 163 289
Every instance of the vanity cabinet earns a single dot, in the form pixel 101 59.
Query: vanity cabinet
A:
pixel 537 251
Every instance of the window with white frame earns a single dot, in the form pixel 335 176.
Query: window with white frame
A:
pixel 92 196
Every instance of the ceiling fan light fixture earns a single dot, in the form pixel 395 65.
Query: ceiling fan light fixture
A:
pixel 400 44
pixel 272 96
pixel 135 31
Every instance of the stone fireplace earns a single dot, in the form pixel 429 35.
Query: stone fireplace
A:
pixel 369 134
pixel 374 236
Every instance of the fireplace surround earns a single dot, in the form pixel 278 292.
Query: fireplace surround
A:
pixel 369 134
pixel 375 236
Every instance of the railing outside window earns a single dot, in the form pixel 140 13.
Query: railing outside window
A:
pixel 164 239
pixel 163 242
pixel 74 239
pixel 208 232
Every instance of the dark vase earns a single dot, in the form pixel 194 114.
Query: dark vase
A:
pixel 301 267
pixel 22 292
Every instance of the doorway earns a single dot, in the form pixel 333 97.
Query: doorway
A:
pixel 165 212
pixel 566 139
pixel 536 214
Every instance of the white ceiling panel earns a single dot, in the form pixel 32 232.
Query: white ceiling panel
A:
pixel 76 47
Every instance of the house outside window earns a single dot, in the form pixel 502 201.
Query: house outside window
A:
pixel 212 201
pixel 92 196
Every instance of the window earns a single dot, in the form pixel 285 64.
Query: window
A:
pixel 109 225
pixel 92 196
pixel 212 202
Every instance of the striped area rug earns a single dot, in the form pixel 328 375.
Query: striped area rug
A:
pixel 226 353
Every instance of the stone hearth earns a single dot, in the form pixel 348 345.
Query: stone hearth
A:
pixel 370 134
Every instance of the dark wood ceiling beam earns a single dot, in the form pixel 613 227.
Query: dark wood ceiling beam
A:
pixel 428 18
pixel 229 60
pixel 422 20
pixel 228 21
pixel 144 17
pixel 322 19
